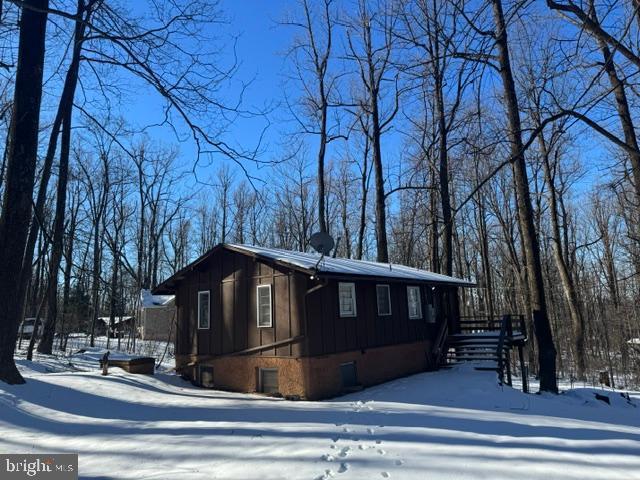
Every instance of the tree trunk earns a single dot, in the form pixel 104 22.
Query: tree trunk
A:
pixel 95 282
pixel 67 277
pixel 381 213
pixel 322 209
pixel 443 170
pixel 364 189
pixel 433 231
pixel 46 343
pixel 568 286
pixel 538 306
pixel 20 177
pixel 486 262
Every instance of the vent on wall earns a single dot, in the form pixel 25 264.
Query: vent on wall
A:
pixel 349 375
pixel 268 380
pixel 205 376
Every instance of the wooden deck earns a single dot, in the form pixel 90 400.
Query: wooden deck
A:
pixel 489 341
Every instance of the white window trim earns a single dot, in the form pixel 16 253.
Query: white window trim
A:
pixel 354 302
pixel 208 292
pixel 258 287
pixel 388 296
pixel 420 315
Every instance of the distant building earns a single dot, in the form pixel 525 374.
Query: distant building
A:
pixel 157 316
pixel 257 319
pixel 121 327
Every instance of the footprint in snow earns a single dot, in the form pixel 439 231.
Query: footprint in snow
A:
pixel 327 457
pixel 378 442
pixel 326 475
pixel 381 451
pixel 345 451
pixel 385 474
pixel 371 431
pixel 362 447
pixel 399 462
pixel 344 466
pixel 346 430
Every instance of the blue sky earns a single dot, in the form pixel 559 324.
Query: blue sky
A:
pixel 260 46
pixel 260 49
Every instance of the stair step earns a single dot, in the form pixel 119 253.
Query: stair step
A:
pixel 485 368
pixel 473 341
pixel 474 359
pixel 475 351
pixel 463 348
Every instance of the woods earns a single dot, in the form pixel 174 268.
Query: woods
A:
pixel 493 141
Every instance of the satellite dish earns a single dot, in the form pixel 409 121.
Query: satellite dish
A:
pixel 322 242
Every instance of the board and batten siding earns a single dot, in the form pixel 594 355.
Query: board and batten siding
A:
pixel 232 279
pixel 329 333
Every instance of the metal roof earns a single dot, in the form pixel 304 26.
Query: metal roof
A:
pixel 312 264
pixel 348 266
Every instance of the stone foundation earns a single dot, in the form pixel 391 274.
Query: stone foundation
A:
pixel 310 378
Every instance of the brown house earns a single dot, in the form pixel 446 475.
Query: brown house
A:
pixel 265 320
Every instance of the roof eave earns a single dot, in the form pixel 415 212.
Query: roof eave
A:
pixel 385 278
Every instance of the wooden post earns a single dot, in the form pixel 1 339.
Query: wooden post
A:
pixel 105 363
pixel 523 371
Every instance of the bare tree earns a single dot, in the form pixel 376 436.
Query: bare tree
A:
pixel 19 185
pixel 531 246
pixel 311 54
pixel 371 44
pixel 83 15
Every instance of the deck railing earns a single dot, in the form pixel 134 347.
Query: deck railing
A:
pixel 439 349
pixel 479 324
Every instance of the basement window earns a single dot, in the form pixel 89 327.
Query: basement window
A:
pixel 263 303
pixel 348 375
pixel 205 375
pixel 268 380
pixel 414 303
pixel 347 299
pixel 204 309
pixel 383 294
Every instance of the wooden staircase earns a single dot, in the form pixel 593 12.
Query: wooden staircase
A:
pixel 487 342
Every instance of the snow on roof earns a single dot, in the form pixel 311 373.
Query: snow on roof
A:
pixel 348 266
pixel 149 300
pixel 115 319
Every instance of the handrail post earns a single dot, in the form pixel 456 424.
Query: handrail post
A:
pixel 506 320
pixel 440 344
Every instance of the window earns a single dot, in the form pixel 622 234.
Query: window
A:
pixel 205 376
pixel 414 303
pixel 263 302
pixel 204 308
pixel 347 299
pixel 348 375
pixel 384 299
pixel 268 380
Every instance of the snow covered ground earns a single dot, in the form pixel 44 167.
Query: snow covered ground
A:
pixel 451 424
